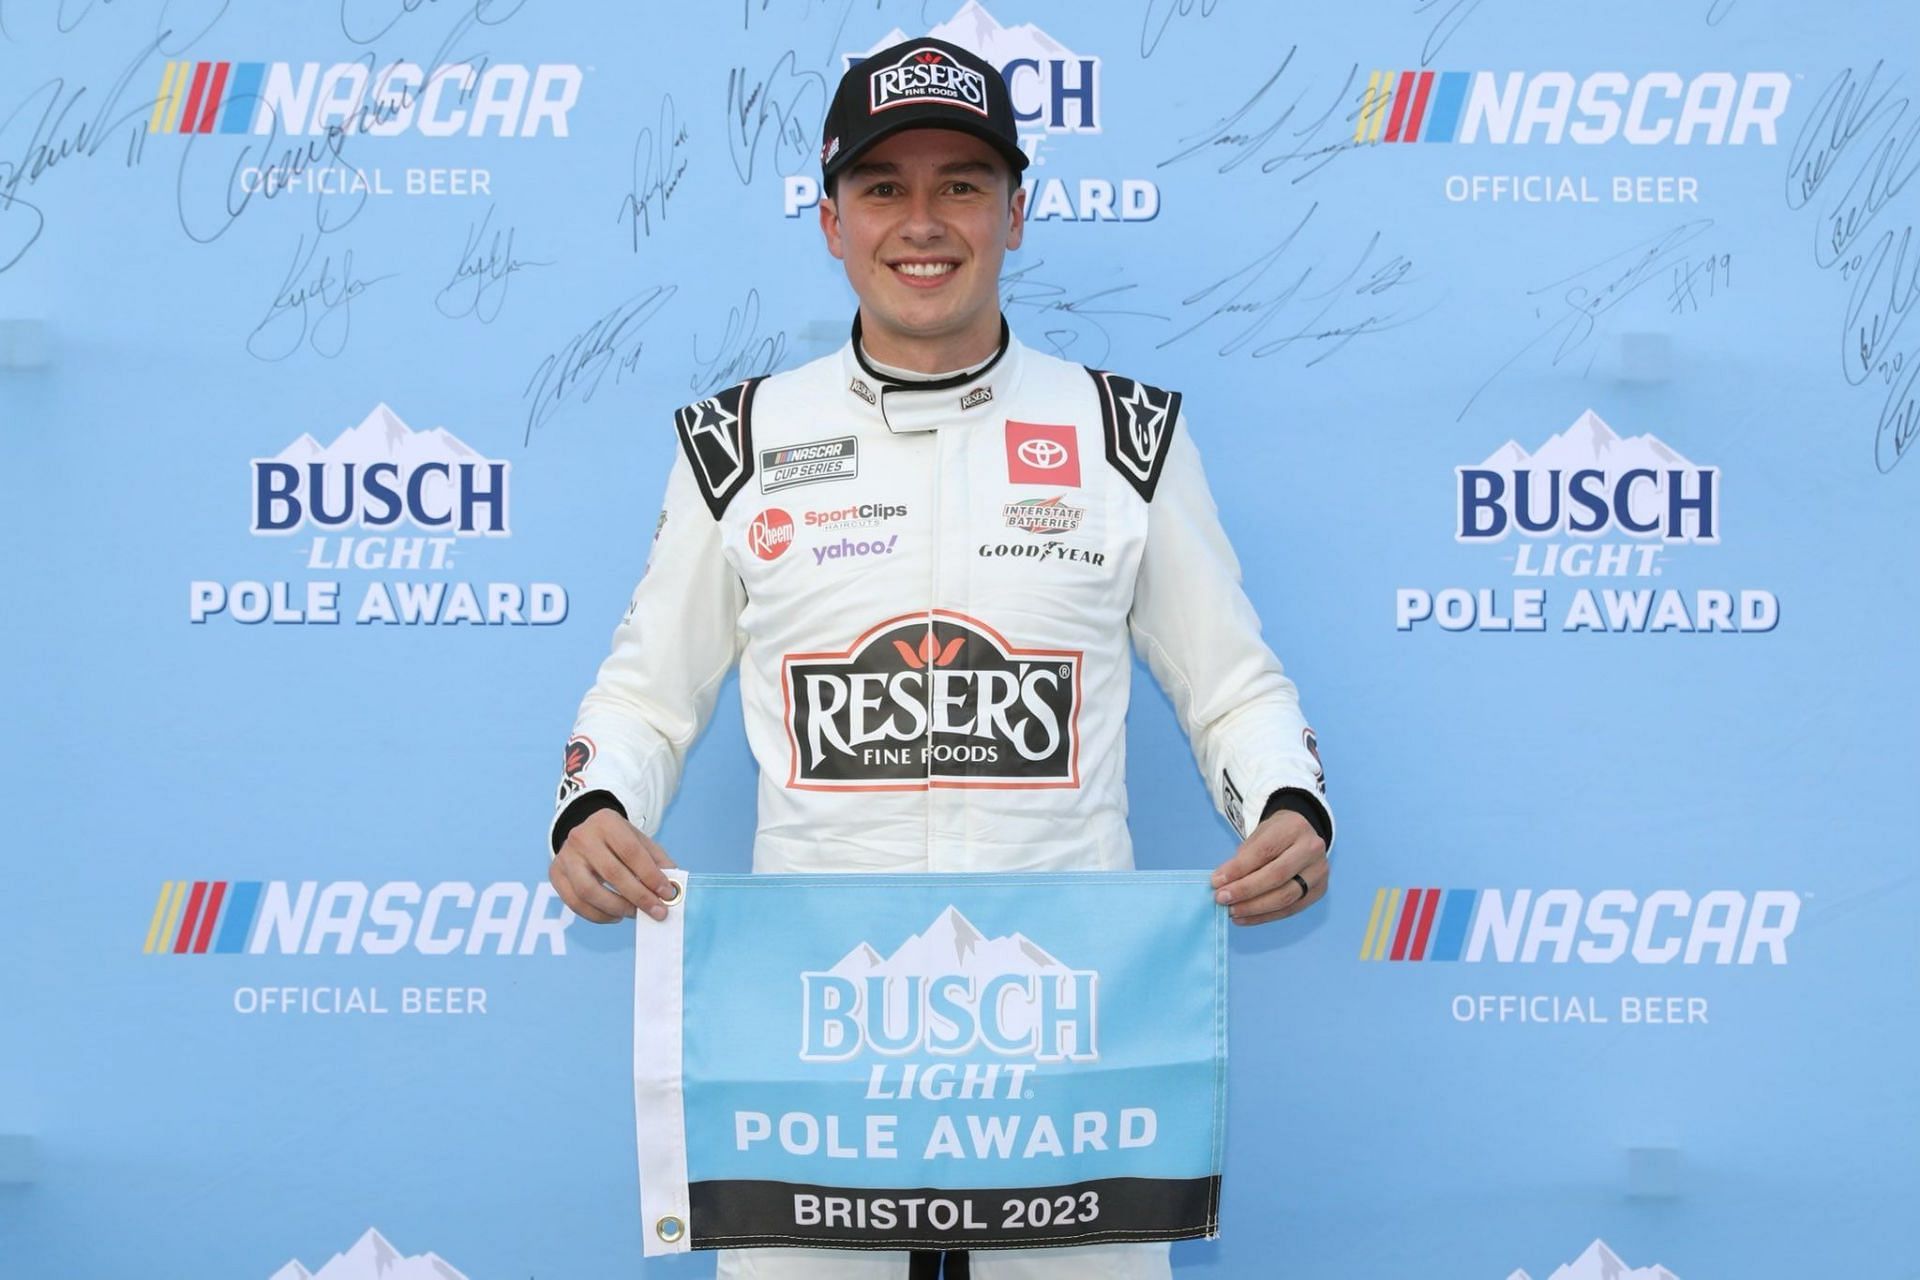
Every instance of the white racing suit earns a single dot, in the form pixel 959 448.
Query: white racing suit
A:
pixel 930 588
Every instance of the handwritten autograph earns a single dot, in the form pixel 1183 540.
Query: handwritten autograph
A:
pixel 1453 14
pixel 1284 311
pixel 743 352
pixel 1575 303
pixel 1857 151
pixel 613 341
pixel 69 14
pixel 777 113
pixel 54 139
pixel 486 12
pixel 1244 140
pixel 1711 275
pixel 657 170
pixel 481 276
pixel 1069 320
pixel 313 305
pixel 1159 15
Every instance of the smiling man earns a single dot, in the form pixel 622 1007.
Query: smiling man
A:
pixel 929 553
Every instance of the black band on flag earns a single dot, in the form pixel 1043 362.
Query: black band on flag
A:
pixel 744 1213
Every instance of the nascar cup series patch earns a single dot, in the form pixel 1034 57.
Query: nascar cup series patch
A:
pixel 938 1061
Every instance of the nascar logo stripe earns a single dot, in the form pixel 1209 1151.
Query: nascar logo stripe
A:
pixel 163 912
pixel 243 97
pixel 198 896
pixel 168 101
pixel 192 94
pixel 1372 104
pixel 1444 124
pixel 188 912
pixel 1401 96
pixel 1385 903
pixel 1425 106
pixel 1423 924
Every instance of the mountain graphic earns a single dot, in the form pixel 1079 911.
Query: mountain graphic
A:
pixel 1591 445
pixel 952 944
pixel 373 1258
pixel 1601 1263
pixel 972 27
pixel 383 437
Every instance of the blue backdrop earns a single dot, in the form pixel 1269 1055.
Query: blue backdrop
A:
pixel 1613 951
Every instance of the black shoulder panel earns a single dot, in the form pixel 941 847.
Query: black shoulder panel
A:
pixel 1138 422
pixel 716 434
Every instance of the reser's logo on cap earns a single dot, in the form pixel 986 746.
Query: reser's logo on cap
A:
pixel 927 75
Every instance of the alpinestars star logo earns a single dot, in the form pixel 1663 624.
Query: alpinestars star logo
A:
pixel 924 701
pixel 712 428
pixel 1146 419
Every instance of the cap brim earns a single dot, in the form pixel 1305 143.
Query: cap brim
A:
pixel 1013 155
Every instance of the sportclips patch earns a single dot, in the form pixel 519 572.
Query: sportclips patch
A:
pixel 921 702
pixel 930 1061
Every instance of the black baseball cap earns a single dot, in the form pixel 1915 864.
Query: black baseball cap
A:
pixel 918 84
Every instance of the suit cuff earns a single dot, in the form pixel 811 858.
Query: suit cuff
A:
pixel 578 810
pixel 1289 800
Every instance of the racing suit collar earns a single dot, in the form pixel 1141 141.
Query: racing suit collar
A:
pixel 906 407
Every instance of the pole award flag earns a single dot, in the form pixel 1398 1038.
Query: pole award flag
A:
pixel 931 1061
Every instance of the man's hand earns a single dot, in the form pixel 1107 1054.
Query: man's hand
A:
pixel 607 871
pixel 1264 879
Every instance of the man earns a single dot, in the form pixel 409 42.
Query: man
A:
pixel 927 551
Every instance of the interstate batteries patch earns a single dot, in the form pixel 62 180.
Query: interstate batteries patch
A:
pixel 809 463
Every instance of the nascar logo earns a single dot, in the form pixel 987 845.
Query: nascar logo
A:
pixel 1711 108
pixel 280 917
pixel 504 100
pixel 1724 926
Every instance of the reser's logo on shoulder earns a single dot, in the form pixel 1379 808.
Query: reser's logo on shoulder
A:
pixel 380 474
pixel 948 991
pixel 925 701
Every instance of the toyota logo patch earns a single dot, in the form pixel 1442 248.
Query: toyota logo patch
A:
pixel 1042 453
